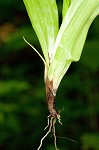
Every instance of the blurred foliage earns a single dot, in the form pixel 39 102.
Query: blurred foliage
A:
pixel 23 109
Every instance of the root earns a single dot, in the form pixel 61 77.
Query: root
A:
pixel 59 120
pixel 51 125
pixel 61 137
pixel 48 119
pixel 54 121
pixel 54 114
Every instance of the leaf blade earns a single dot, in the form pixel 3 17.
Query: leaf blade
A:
pixel 66 4
pixel 44 19
pixel 71 38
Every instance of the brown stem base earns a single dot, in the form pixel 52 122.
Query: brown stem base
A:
pixel 54 114
pixel 50 96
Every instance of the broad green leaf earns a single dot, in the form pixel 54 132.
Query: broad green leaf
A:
pixel 44 18
pixel 66 4
pixel 71 37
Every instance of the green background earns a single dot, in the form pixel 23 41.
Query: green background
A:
pixel 23 107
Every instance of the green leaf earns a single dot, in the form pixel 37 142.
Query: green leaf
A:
pixel 66 4
pixel 62 49
pixel 71 37
pixel 44 18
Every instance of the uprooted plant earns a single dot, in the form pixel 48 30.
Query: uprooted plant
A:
pixel 60 46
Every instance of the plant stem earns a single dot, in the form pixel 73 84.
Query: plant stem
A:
pixel 50 96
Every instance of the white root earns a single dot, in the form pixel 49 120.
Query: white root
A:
pixel 48 118
pixel 54 121
pixel 50 127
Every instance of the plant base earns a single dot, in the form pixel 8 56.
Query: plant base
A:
pixel 54 114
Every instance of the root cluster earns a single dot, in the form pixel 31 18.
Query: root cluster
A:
pixel 51 125
pixel 54 114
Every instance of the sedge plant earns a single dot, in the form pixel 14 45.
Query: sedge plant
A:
pixel 60 46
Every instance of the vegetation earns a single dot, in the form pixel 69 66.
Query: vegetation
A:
pixel 23 108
